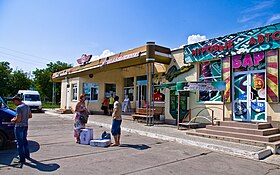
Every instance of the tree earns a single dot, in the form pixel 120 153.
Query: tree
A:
pixel 43 79
pixel 19 80
pixel 5 78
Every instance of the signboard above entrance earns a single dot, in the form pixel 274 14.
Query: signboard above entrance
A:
pixel 205 86
pixel 254 40
pixel 121 58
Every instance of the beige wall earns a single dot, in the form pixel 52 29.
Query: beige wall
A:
pixel 115 76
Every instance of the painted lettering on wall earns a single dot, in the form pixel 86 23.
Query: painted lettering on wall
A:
pixel 254 40
pixel 213 48
pixel 174 72
pixel 247 60
pixel 265 38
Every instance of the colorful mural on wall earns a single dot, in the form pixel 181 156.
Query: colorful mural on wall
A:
pixel 254 40
pixel 226 77
pixel 272 76
pixel 210 71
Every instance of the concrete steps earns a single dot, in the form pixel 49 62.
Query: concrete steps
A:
pixel 254 133
pixel 270 138
pixel 260 132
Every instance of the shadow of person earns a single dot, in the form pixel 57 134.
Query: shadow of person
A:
pixel 138 147
pixel 41 166
pixel 9 154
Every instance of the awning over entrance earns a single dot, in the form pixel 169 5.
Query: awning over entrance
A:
pixel 128 58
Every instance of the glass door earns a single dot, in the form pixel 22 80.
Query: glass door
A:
pixel 258 97
pixel 141 96
pixel 240 100
pixel 249 96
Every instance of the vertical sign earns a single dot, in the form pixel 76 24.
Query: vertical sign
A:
pixel 272 76
pixel 226 78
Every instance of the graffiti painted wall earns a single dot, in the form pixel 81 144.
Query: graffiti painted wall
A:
pixel 254 40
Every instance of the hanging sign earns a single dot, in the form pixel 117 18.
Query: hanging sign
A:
pixel 206 86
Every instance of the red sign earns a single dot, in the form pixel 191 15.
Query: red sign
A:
pixel 265 37
pixel 84 59
pixel 213 48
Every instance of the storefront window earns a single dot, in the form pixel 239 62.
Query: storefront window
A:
pixel 210 71
pixel 74 92
pixel 91 91
pixel 129 88
pixel 158 95
pixel 110 90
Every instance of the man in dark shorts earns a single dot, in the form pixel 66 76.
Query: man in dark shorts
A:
pixel 21 126
pixel 117 120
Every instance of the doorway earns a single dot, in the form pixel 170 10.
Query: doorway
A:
pixel 142 96
pixel 249 97
pixel 68 96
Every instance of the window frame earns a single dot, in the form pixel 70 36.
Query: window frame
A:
pixel 92 87
pixel 74 89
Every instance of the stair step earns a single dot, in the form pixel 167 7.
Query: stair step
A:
pixel 260 132
pixel 237 140
pixel 271 138
pixel 245 125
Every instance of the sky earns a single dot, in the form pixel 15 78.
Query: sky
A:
pixel 34 33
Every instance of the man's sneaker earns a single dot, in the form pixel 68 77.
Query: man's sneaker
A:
pixel 19 162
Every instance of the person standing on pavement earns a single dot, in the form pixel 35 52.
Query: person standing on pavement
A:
pixel 117 120
pixel 111 104
pixel 23 114
pixel 80 110
pixel 105 105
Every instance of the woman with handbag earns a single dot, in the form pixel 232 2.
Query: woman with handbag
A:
pixel 105 105
pixel 80 120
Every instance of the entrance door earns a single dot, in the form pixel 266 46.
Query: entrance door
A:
pixel 249 96
pixel 68 96
pixel 141 96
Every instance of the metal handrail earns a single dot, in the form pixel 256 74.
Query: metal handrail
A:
pixel 204 108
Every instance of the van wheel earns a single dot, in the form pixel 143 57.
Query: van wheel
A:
pixel 3 140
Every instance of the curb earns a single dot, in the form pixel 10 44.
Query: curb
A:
pixel 213 147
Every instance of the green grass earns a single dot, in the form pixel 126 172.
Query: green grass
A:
pixel 11 104
pixel 44 105
pixel 49 105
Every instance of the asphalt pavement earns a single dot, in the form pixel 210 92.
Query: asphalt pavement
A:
pixel 54 151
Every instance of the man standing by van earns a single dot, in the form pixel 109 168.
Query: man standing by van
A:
pixel 21 126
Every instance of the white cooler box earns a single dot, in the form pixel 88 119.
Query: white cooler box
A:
pixel 100 142
pixel 86 135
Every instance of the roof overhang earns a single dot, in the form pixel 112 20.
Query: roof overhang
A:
pixel 129 58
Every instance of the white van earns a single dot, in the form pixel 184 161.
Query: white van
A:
pixel 31 98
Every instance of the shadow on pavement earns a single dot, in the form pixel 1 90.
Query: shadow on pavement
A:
pixel 138 147
pixel 41 166
pixel 10 152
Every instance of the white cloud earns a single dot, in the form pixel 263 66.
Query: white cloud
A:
pixel 259 5
pixel 104 54
pixel 250 17
pixel 273 18
pixel 196 38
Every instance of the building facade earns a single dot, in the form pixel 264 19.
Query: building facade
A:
pixel 247 61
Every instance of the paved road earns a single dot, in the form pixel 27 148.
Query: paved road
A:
pixel 54 151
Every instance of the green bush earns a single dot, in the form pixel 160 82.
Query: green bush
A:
pixel 44 105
